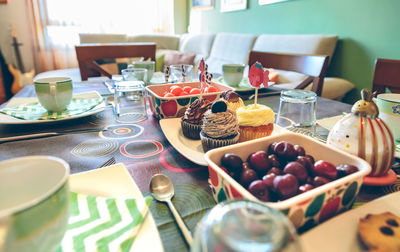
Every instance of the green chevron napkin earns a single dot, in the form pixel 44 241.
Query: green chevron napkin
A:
pixel 35 111
pixel 103 224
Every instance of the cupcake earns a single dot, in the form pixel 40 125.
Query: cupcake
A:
pixel 232 100
pixel 193 119
pixel 220 127
pixel 255 121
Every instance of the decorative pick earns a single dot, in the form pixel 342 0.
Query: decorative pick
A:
pixel 202 66
pixel 257 77
pixel 167 72
pixel 208 77
pixel 183 68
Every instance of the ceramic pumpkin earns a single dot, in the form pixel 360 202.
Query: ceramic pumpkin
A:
pixel 364 134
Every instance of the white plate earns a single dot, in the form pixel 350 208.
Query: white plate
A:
pixel 115 181
pixel 340 232
pixel 191 149
pixel 6 119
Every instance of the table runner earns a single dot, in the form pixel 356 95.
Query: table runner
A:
pixel 144 150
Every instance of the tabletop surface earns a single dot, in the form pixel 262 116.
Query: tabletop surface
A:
pixel 144 150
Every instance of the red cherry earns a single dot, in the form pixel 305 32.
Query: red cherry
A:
pixel 269 180
pixel 210 89
pixel 305 188
pixel 259 162
pixel 286 185
pixel 194 91
pixel 259 189
pixel 187 89
pixel 176 91
pixel 319 181
pixel 173 86
pixel 298 170
pixel 183 93
pixel 325 169
pixel 169 95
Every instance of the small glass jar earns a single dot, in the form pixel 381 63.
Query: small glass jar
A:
pixel 245 226
pixel 130 101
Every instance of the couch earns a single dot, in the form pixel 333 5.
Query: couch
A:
pixel 218 49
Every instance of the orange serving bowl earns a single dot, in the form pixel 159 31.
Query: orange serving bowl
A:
pixel 308 208
pixel 169 107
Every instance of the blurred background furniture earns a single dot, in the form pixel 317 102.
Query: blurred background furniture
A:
pixel 88 56
pixel 313 66
pixel 224 48
pixel 386 76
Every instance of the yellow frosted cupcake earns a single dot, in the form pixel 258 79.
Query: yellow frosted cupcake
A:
pixel 255 121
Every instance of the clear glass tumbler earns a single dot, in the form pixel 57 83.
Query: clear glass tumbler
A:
pixel 130 101
pixel 134 74
pixel 297 108
pixel 245 226
pixel 181 73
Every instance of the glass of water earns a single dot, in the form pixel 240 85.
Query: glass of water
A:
pixel 297 108
pixel 181 73
pixel 245 226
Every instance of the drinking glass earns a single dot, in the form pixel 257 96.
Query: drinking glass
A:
pixel 149 65
pixel 130 101
pixel 297 108
pixel 244 225
pixel 181 73
pixel 134 74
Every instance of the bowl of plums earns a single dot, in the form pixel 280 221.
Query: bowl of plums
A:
pixel 172 100
pixel 307 180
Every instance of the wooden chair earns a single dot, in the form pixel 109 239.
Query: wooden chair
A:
pixel 88 54
pixel 386 75
pixel 313 66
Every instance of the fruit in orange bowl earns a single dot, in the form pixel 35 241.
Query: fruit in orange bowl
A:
pixel 172 100
pixel 295 188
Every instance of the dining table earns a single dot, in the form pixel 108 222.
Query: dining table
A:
pixel 144 150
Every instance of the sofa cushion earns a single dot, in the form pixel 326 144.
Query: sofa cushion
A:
pixel 313 44
pixel 162 41
pixel 199 44
pixel 102 38
pixel 229 48
pixel 176 58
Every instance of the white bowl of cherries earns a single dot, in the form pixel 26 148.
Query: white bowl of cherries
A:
pixel 307 180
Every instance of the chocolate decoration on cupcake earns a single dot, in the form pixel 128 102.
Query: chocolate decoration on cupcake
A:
pixel 219 106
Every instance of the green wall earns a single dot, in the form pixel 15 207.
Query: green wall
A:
pixel 367 29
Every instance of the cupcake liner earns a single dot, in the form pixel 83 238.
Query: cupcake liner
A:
pixel 212 143
pixel 191 130
pixel 249 133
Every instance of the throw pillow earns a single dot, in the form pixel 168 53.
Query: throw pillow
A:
pixel 176 58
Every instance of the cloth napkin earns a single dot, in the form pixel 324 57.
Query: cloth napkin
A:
pixel 103 224
pixel 35 111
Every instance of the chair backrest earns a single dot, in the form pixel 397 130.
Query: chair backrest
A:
pixel 312 65
pixel 87 54
pixel 386 75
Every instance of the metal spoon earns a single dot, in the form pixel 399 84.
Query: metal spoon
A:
pixel 163 190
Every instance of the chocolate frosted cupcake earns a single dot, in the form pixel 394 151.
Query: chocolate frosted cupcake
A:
pixel 220 127
pixel 193 119
pixel 232 100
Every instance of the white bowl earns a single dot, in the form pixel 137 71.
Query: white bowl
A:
pixel 304 208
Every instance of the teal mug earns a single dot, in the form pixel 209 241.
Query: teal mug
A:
pixel 34 205
pixel 54 93
pixel 233 73
pixel 389 111
pixel 149 65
